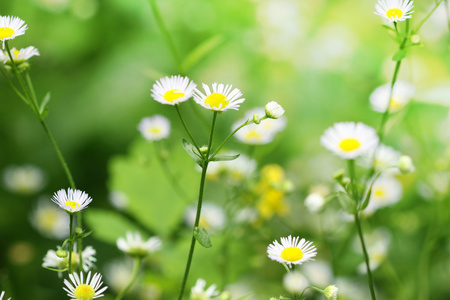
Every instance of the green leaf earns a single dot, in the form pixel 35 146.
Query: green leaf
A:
pixel 43 109
pixel 225 157
pixel 193 152
pixel 84 235
pixel 202 236
pixel 56 270
pixel 348 203
pixel 388 27
pixel 399 55
pixel 196 55
pixel 369 192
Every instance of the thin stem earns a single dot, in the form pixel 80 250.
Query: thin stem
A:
pixel 166 34
pixel 185 128
pixel 366 256
pixel 229 137
pixel 199 208
pixel 80 240
pixel 70 243
pixel 429 15
pixel 136 267
pixel 2 68
pixel 351 172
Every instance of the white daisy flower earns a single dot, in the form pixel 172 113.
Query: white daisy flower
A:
pixel 274 110
pixel 173 90
pixel 394 10
pixel 71 201
pixel 221 98
pixel 19 56
pixel 382 158
pixel 78 289
pixel 2 294
pixel 49 220
pixel 401 94
pixel 10 27
pixel 51 260
pixel 295 282
pixel 386 190
pixel 134 245
pixel 349 140
pixel 198 291
pixel 154 128
pixel 212 218
pixel 291 251
pixel 24 179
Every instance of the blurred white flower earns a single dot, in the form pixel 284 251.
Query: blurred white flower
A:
pixel 19 56
pixel 119 200
pixel 401 94
pixel 386 190
pixel 154 128
pixel 295 282
pixel 235 171
pixel 51 260
pixel 49 220
pixel 134 245
pixel 382 158
pixel 314 202
pixel 319 273
pixel 377 243
pixel 118 274
pixel 25 179
pixel 198 291
pixel 212 217
pixel 221 98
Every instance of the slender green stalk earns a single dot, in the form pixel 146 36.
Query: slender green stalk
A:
pixel 69 267
pixel 199 207
pixel 185 128
pixel 351 172
pixel 229 137
pixel 12 85
pixel 428 16
pixel 366 256
pixel 136 267
pixel 166 34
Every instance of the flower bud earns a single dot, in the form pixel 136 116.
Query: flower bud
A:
pixel 274 110
pixel 405 164
pixel 204 150
pixel 338 175
pixel 78 231
pixel 415 39
pixel 330 293
pixel 345 180
pixel 61 253
pixel 225 296
pixel 256 119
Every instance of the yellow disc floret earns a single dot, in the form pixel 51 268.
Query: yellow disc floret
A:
pixel 349 144
pixel 216 99
pixel 172 95
pixel 378 192
pixel 6 32
pixel 72 204
pixel 292 254
pixel 84 292
pixel 394 12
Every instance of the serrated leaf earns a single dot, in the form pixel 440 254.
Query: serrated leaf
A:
pixel 196 55
pixel 43 109
pixel 347 203
pixel 193 152
pixel 399 55
pixel 225 157
pixel 202 237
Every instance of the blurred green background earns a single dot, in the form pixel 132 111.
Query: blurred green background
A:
pixel 319 59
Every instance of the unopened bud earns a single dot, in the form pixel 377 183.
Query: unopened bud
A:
pixel 78 231
pixel 61 253
pixel 338 174
pixel 274 110
pixel 204 150
pixel 256 119
pixel 330 293
pixel 225 296
pixel 405 164
pixel 345 180
pixel 415 39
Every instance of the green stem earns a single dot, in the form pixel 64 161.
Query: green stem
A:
pixel 69 267
pixel 185 128
pixel 229 137
pixel 80 240
pixel 199 208
pixel 366 256
pixel 166 33
pixel 351 172
pixel 2 68
pixel 136 267
pixel 426 18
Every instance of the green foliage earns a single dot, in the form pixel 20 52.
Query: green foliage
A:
pixel 202 237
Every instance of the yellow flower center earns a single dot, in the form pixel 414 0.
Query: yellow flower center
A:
pixel 349 144
pixel 378 192
pixel 72 204
pixel 6 32
pixel 292 254
pixel 172 95
pixel 154 130
pixel 394 12
pixel 252 135
pixel 84 292
pixel 215 99
pixel 16 53
pixel 395 105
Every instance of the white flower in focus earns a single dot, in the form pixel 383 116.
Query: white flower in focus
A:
pixel 212 218
pixel 78 289
pixel 294 282
pixel 24 179
pixel 349 140
pixel 386 191
pixel 274 110
pixel 51 260
pixel 331 292
pixel 394 10
pixel 291 251
pixel 221 98
pixel 173 90
pixel 154 128
pixel 2 294
pixel 71 201
pixel 401 94
pixel 133 244
pixel 10 27
pixel 19 56
pixel 49 220
pixel 382 158
pixel 119 200
pixel 198 291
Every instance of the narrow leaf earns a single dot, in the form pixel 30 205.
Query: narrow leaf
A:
pixel 84 235
pixel 202 50
pixel 44 104
pixel 399 55
pixel 202 236
pixel 193 152
pixel 388 27
pixel 225 157
pixel 56 270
